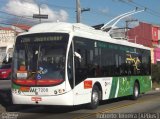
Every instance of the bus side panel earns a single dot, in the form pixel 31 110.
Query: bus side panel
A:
pixel 82 95
pixel 145 83
pixel 126 86
pixel 123 86
pixel 82 92
pixel 112 87
pixel 108 86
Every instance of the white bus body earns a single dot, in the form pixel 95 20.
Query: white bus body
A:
pixel 69 93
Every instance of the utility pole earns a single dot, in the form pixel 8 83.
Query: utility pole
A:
pixel 79 10
pixel 39 7
pixel 39 15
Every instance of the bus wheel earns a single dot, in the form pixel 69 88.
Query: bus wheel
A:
pixel 135 91
pixel 94 98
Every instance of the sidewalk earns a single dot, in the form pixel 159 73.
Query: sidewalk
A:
pixel 153 91
pixel 157 89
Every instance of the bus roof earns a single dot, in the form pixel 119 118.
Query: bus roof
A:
pixel 80 30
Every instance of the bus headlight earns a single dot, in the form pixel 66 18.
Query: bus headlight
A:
pixel 19 92
pixel 59 91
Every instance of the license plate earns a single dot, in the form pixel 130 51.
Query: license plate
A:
pixel 22 75
pixel 37 89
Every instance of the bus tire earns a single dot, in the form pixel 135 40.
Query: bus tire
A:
pixel 95 97
pixel 136 91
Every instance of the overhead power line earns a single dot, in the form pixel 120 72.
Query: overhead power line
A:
pixel 8 24
pixel 25 17
pixel 92 10
pixel 147 9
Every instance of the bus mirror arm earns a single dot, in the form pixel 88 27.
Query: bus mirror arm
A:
pixel 78 56
pixel 6 59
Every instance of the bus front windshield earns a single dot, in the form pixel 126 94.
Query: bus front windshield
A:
pixel 39 59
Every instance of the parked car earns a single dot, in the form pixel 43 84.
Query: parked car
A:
pixel 5 71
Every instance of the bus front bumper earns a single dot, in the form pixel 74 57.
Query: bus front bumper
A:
pixel 64 99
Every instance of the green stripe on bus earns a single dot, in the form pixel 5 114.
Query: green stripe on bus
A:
pixel 126 85
pixel 14 86
pixel 113 88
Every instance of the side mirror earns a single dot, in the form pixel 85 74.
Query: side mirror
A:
pixel 76 54
pixel 6 59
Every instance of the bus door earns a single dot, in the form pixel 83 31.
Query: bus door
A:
pixel 80 71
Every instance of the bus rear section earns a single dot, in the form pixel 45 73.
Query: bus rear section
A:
pixel 39 70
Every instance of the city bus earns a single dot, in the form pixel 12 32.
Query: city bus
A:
pixel 69 64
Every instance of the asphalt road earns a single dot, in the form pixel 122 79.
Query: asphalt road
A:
pixel 5 84
pixel 146 107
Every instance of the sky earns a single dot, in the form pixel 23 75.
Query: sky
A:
pixel 101 11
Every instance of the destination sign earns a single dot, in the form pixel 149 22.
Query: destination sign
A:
pixel 41 39
pixel 50 38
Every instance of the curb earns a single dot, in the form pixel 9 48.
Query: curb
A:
pixel 153 91
pixel 157 89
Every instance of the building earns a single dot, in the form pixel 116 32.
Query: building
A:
pixel 147 35
pixel 156 56
pixel 7 39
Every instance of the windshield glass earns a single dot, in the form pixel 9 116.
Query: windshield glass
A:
pixel 39 59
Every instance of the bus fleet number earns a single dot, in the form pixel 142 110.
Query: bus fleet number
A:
pixel 39 90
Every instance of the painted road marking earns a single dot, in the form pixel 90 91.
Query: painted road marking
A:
pixel 112 109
